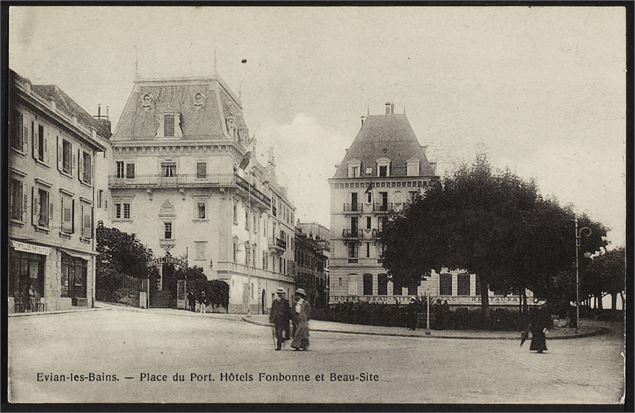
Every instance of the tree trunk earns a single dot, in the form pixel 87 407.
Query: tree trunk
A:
pixel 623 303
pixel 484 297
pixel 614 301
pixel 600 302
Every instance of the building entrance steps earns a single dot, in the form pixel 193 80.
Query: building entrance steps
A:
pixel 334 327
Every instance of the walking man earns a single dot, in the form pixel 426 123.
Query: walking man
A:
pixel 279 317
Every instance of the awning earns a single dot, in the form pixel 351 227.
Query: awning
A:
pixel 74 254
pixel 33 249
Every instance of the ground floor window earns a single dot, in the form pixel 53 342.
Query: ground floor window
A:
pixel 382 284
pixel 26 278
pixel 368 284
pixel 445 284
pixel 464 284
pixel 73 280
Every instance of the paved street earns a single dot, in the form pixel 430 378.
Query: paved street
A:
pixel 407 370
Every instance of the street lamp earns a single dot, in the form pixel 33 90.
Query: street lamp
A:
pixel 579 233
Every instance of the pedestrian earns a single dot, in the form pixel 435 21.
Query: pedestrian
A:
pixel 203 301
pixel 279 317
pixel 411 314
pixel 539 322
pixel 31 298
pixel 191 301
pixel 303 314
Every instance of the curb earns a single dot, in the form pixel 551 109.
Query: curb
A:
pixel 599 331
pixel 83 310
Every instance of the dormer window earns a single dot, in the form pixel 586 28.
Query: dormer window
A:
pixel 170 126
pixel 413 167
pixel 383 167
pixel 354 169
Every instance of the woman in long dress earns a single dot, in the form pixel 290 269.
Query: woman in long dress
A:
pixel 302 315
pixel 540 322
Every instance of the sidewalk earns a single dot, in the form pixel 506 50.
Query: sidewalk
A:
pixel 333 327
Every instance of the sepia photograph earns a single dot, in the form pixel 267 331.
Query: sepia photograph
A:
pixel 343 205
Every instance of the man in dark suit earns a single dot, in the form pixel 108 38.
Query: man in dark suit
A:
pixel 279 316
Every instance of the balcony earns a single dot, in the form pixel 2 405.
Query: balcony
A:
pixel 381 207
pixel 352 233
pixel 157 181
pixel 353 208
pixel 277 245
pixel 226 268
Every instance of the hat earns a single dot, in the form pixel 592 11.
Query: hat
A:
pixel 280 290
pixel 300 291
pixel 539 302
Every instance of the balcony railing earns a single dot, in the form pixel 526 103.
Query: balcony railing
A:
pixel 352 233
pixel 281 243
pixel 226 267
pixel 187 180
pixel 277 245
pixel 381 207
pixel 353 207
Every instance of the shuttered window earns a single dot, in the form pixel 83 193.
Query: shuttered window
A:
pixel 201 170
pixel 445 284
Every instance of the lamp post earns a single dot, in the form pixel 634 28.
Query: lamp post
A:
pixel 579 233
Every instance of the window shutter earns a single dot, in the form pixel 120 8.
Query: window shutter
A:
pixel 73 216
pixel 25 135
pixel 74 165
pixel 46 152
pixel 25 201
pixel 36 151
pixel 90 168
pixel 50 211
pixel 80 161
pixel 60 154
pixel 35 206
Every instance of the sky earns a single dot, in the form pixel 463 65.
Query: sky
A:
pixel 541 90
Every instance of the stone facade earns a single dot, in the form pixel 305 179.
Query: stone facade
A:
pixel 53 143
pixel 184 178
pixel 312 251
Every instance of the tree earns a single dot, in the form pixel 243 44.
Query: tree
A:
pixel 493 224
pixel 118 255
pixel 216 291
pixel 606 273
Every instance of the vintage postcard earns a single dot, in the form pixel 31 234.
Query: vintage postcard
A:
pixel 330 205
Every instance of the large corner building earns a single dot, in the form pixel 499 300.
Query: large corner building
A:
pixel 184 180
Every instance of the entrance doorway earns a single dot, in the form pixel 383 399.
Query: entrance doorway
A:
pixel 263 303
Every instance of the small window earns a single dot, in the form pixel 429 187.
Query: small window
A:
pixel 67 206
pixel 120 169
pixel 16 139
pixel 368 222
pixel 118 211
pixel 67 156
pixel 168 125
pixel 167 227
pixel 235 214
pixel 382 284
pixel 352 250
pixel 383 170
pixel 368 197
pixel 17 201
pixel 43 215
pixel 87 221
pixel 413 168
pixel 126 211
pixel 445 284
pixel 339 282
pixel 367 249
pixel 201 170
pixel 168 169
pixel 368 284
pixel 201 210
pixel 130 171
pixel 41 144
pixel 100 196
pixel 463 284
pixel 86 167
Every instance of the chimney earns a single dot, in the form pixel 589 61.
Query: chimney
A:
pixel 392 108
pixel 363 119
pixel 388 108
pixel 107 112
pixel 104 121
pixel 99 111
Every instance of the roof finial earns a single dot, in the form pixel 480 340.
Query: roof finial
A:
pixel 215 61
pixel 136 63
pixel 367 108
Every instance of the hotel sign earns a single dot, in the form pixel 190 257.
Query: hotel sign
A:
pixel 405 299
pixel 33 249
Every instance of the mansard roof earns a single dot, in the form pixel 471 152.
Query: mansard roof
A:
pixel 385 136
pixel 202 103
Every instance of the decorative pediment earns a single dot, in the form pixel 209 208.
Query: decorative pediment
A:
pixel 167 210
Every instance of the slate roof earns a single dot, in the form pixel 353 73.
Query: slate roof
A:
pixel 385 136
pixel 203 122
pixel 64 103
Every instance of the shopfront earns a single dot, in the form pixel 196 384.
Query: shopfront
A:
pixel 27 264
pixel 74 279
